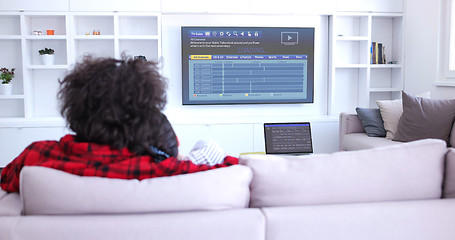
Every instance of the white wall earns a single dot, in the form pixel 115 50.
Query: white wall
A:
pixel 177 113
pixel 421 54
pixel 238 128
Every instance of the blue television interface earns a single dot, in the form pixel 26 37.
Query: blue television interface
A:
pixel 243 65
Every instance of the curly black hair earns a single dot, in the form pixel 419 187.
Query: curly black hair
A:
pixel 115 102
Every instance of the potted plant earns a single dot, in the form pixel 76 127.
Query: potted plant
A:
pixel 47 54
pixel 6 88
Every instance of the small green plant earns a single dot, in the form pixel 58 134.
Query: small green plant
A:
pixel 49 51
pixel 6 75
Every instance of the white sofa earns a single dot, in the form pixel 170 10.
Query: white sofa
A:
pixel 393 192
pixel 353 137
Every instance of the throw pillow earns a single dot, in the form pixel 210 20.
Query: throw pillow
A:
pixel 371 121
pixel 391 111
pixel 425 118
pixel 49 191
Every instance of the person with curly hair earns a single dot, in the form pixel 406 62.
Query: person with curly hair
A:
pixel 114 107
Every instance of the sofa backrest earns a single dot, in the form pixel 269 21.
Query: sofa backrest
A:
pixel 408 171
pixel 49 191
pixel 350 123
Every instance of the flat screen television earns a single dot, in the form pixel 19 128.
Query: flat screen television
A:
pixel 246 65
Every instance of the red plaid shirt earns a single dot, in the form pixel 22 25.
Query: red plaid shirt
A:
pixel 90 159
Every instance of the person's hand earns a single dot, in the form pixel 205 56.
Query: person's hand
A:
pixel 180 157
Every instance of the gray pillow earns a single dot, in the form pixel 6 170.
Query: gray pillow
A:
pixel 371 121
pixel 425 118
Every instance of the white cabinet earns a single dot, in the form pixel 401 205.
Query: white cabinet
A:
pixel 35 85
pixel 40 80
pixel 35 5
pixel 293 7
pixel 115 5
pixel 354 80
pixel 14 140
pixel 10 46
pixel 111 34
pixel 203 6
pixel 251 6
pixel 389 6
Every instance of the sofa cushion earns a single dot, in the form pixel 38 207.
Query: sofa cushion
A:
pixel 402 220
pixel 359 141
pixel 234 224
pixel 49 191
pixel 371 121
pixel 449 177
pixel 425 118
pixel 391 111
pixel 404 171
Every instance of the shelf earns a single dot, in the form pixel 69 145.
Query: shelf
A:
pixel 354 80
pixel 18 122
pixel 87 24
pixel 35 84
pixel 104 37
pixel 352 25
pixel 10 37
pixel 351 52
pixel 14 96
pixel 94 37
pixel 10 25
pixel 45 21
pixel 386 66
pixel 15 105
pixel 352 38
pixel 46 37
pixel 351 66
pixel 61 66
pixel 137 37
pixel 385 89
pixel 139 25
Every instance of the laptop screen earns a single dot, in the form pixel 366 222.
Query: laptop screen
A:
pixel 288 138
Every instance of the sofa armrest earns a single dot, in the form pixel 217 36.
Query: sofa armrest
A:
pixel 10 204
pixel 349 123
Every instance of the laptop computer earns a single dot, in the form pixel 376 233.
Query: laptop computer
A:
pixel 288 138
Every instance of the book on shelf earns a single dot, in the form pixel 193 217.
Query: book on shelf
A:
pixel 377 53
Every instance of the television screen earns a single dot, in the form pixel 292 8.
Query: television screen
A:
pixel 243 65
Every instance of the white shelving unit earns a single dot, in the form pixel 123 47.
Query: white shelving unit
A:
pixel 130 33
pixel 354 81
pixel 35 85
pixel 11 48
pixel 41 81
